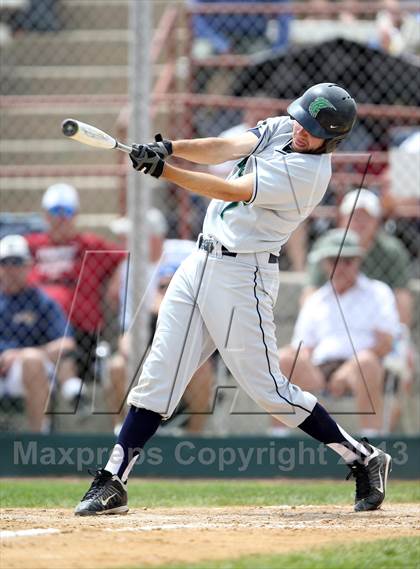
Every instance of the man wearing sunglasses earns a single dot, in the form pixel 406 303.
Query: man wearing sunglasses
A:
pixel 344 330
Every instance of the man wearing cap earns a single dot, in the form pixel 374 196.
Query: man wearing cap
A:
pixel 344 330
pixel 385 257
pixel 34 336
pixel 73 267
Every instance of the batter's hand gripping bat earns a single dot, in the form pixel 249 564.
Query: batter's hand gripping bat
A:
pixel 88 134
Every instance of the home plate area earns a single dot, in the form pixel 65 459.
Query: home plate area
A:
pixel 50 538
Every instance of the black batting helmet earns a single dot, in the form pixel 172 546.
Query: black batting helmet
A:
pixel 325 111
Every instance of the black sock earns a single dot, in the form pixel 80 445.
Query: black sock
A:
pixel 139 426
pixel 322 427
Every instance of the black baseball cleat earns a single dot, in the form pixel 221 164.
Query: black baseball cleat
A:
pixel 371 476
pixel 106 495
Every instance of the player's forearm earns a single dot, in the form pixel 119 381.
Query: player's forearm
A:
pixel 205 184
pixel 206 150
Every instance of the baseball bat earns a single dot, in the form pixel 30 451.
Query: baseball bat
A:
pixel 89 134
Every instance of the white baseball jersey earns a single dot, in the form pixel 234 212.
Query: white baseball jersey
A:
pixel 287 187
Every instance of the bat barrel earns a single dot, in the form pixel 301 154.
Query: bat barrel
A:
pixel 91 135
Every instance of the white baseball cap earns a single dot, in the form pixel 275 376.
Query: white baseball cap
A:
pixel 366 200
pixel 14 248
pixel 61 199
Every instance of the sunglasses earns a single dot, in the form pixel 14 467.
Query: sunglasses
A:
pixel 13 262
pixel 62 211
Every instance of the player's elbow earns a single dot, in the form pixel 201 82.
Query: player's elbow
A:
pixel 241 189
pixel 237 195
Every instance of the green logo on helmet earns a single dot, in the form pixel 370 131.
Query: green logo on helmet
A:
pixel 318 104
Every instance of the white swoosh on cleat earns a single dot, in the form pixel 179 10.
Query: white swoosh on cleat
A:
pixel 381 488
pixel 105 502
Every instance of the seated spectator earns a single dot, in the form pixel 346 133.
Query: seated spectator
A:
pixel 197 398
pixel 344 330
pixel 385 257
pixel 73 268
pixel 34 337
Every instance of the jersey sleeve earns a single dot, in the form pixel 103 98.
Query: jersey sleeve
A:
pixel 290 182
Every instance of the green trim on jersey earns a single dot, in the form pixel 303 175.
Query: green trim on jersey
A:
pixel 241 168
pixel 229 206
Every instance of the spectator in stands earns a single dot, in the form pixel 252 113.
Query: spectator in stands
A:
pixel 165 257
pixel 385 258
pixel 344 330
pixel 73 268
pixel 34 337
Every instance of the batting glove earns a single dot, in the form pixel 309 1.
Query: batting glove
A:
pixel 146 159
pixel 161 146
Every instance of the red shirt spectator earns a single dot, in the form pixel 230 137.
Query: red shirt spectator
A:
pixel 72 267
pixel 74 273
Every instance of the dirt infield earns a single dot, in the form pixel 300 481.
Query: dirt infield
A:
pixel 161 535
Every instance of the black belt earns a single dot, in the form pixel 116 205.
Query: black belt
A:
pixel 208 245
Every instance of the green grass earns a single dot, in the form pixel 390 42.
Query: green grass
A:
pixel 62 493
pixel 401 553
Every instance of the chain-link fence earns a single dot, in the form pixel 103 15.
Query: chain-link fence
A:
pixel 218 68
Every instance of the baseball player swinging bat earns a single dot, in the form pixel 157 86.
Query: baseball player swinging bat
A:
pixel 92 136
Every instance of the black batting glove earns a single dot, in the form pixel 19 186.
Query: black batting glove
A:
pixel 161 146
pixel 146 159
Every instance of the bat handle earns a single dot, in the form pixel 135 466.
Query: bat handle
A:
pixel 123 147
